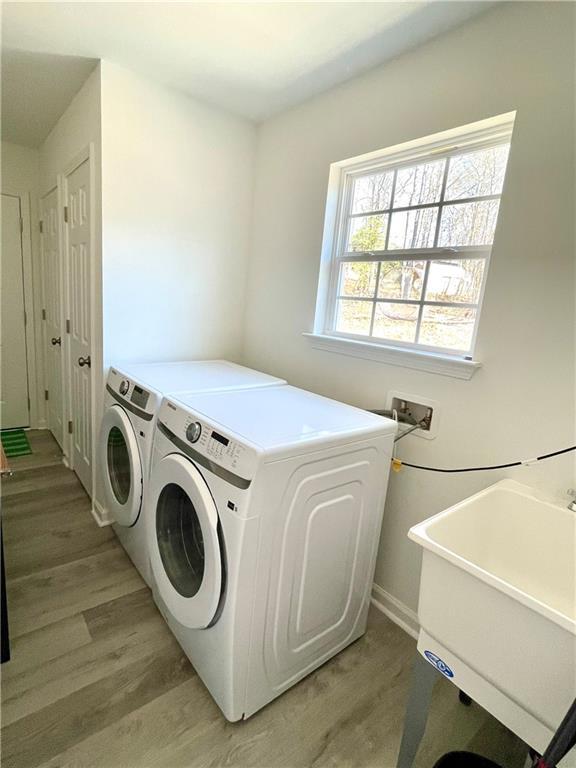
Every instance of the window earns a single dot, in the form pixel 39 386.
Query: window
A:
pixel 409 244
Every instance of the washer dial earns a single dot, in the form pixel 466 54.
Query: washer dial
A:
pixel 193 431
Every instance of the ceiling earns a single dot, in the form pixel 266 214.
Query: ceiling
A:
pixel 252 59
pixel 36 89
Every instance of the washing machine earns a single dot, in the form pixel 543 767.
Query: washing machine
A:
pixel 132 398
pixel 263 518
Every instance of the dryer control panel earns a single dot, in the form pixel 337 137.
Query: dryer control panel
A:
pixel 208 440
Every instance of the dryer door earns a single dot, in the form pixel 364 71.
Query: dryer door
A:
pixel 121 466
pixel 183 542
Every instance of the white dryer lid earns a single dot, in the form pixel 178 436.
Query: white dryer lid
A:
pixel 196 376
pixel 281 416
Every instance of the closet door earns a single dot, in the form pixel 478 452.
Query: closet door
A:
pixel 78 270
pixel 54 317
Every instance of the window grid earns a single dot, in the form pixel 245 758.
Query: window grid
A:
pixel 428 255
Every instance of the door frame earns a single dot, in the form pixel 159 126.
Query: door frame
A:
pixel 35 373
pixel 88 153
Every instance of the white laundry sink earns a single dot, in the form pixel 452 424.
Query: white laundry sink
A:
pixel 497 604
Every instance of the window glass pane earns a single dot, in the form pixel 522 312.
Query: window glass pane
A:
pixel 455 280
pixel 413 229
pixel 468 223
pixel 449 327
pixel 401 279
pixel 354 316
pixel 180 540
pixel 477 173
pixel 419 184
pixel 372 193
pixel 358 278
pixel 396 322
pixel 118 465
pixel 367 233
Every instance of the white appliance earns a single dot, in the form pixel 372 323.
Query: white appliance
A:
pixel 132 398
pixel 263 516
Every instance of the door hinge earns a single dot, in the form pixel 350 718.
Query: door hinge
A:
pixel 28 403
pixel 41 226
pixel 43 314
pixel 21 225
pixel 67 326
pixel 66 214
pixel 46 395
pixel 25 318
pixel 70 429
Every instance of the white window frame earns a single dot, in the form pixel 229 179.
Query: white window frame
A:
pixel 484 134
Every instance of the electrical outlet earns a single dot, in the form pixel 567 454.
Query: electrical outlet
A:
pixel 419 408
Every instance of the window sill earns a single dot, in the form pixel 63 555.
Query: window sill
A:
pixel 444 365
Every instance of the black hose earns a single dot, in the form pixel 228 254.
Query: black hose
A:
pixel 492 466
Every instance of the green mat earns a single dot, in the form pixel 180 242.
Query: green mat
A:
pixel 15 443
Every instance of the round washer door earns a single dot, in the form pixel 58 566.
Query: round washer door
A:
pixel 183 542
pixel 121 466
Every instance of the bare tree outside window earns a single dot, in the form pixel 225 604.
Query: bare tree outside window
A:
pixel 446 208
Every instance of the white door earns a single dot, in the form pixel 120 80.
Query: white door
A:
pixel 14 375
pixel 78 267
pixel 183 542
pixel 53 327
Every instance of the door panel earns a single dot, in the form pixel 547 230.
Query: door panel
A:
pixel 52 271
pixel 14 376
pixel 78 261
pixel 321 556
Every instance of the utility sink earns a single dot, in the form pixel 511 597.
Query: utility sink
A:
pixel 497 605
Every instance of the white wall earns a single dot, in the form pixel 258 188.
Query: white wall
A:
pixel 77 127
pixel 21 176
pixel 177 205
pixel 519 56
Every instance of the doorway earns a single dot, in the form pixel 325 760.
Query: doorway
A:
pixel 14 370
pixel 67 265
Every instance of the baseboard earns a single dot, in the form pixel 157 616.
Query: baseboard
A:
pixel 100 514
pixel 395 610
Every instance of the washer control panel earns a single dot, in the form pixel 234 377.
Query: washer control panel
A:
pixel 132 392
pixel 209 440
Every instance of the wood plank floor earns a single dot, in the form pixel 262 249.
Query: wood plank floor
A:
pixel 96 678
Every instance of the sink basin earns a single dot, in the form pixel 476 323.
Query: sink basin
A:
pixel 498 604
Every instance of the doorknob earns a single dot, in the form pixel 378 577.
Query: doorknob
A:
pixel 82 361
pixel 56 341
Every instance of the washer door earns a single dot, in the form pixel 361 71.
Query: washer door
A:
pixel 183 542
pixel 121 466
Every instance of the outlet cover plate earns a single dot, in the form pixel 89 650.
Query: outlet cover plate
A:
pixel 425 401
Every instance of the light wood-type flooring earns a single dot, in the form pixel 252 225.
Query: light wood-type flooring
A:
pixel 96 678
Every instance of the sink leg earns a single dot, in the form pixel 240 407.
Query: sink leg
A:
pixel 423 678
pixel 464 698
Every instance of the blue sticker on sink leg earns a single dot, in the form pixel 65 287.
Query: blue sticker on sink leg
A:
pixel 440 665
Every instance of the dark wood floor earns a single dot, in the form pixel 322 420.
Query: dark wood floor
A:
pixel 96 678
